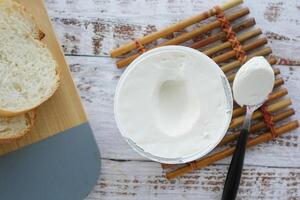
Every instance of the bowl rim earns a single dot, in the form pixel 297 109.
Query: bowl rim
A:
pixel 189 157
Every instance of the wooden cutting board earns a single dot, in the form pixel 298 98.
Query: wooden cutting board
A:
pixel 65 165
pixel 62 111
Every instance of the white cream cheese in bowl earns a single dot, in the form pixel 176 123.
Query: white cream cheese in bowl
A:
pixel 173 104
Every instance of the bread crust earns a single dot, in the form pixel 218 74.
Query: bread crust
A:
pixel 30 119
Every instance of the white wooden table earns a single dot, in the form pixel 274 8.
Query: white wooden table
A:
pixel 89 29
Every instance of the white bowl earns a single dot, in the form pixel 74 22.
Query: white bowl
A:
pixel 224 121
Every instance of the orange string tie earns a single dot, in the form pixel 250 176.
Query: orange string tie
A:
pixel 240 53
pixel 140 47
pixel 268 119
pixel 193 164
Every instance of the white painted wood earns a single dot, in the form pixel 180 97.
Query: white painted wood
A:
pixel 145 181
pixel 93 27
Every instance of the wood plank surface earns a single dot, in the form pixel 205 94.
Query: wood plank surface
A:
pixel 89 29
pixel 148 183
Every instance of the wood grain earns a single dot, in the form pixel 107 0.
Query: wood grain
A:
pixel 62 111
pixel 148 182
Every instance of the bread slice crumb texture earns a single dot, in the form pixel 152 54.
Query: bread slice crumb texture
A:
pixel 14 16
pixel 27 70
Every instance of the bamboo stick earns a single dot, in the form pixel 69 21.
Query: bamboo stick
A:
pixel 278 82
pixel 276 71
pixel 260 125
pixel 222 35
pixel 236 64
pixel 204 29
pixel 243 37
pixel 258 114
pixel 275 95
pixel 173 28
pixel 229 151
pixel 187 36
pixel 247 47
pixel 255 127
pixel 167 166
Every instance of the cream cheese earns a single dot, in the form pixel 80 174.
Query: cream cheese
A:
pixel 253 82
pixel 171 103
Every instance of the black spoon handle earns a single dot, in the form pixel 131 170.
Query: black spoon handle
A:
pixel 235 169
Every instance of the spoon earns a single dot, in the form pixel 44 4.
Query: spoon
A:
pixel 251 86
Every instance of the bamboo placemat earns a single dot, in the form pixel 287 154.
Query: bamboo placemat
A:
pixel 233 40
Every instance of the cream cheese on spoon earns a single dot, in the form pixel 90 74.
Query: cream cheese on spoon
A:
pixel 254 80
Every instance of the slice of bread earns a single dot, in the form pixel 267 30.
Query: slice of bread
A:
pixel 16 127
pixel 14 15
pixel 29 74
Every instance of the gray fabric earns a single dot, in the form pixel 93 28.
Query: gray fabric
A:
pixel 63 167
